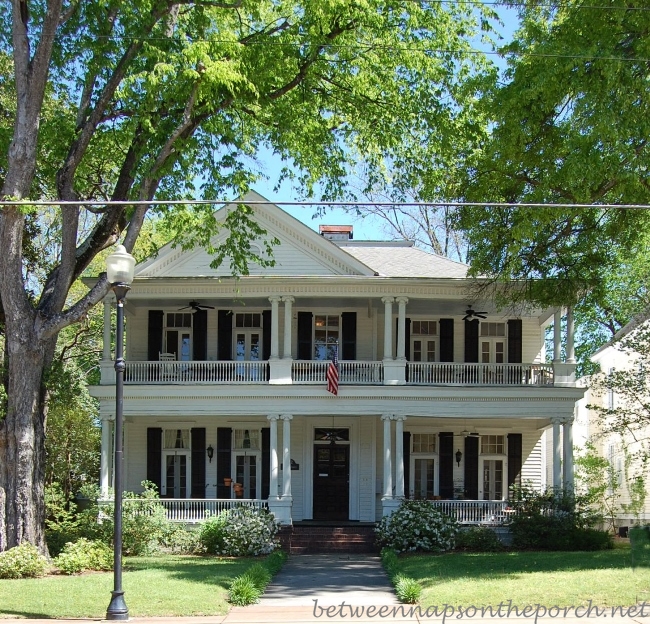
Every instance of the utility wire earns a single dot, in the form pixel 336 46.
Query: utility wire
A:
pixel 325 204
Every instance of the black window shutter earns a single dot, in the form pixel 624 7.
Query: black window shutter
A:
pixel 471 467
pixel 224 335
pixel 266 462
pixel 155 335
pixel 514 341
pixel 514 459
pixel 446 475
pixel 304 336
pixel 154 455
pixel 200 335
pixel 198 462
pixel 348 336
pixel 266 334
pixel 407 464
pixel 224 465
pixel 471 341
pixel 446 340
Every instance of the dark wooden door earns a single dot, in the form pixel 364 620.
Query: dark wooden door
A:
pixel 331 482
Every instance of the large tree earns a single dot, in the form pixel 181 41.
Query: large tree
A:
pixel 570 125
pixel 110 100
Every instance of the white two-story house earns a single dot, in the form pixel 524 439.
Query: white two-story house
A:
pixel 440 396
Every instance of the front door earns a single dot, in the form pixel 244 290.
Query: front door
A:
pixel 331 482
pixel 176 477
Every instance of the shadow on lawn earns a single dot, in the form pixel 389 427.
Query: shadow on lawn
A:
pixel 196 569
pixel 452 566
pixel 25 614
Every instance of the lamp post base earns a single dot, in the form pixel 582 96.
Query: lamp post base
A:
pixel 117 609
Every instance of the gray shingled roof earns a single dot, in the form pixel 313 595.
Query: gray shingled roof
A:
pixel 404 261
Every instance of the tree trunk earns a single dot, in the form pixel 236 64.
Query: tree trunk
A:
pixel 22 441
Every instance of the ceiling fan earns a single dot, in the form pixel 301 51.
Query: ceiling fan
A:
pixel 470 314
pixel 195 305
pixel 470 434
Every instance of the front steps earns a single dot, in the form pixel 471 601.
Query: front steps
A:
pixel 311 538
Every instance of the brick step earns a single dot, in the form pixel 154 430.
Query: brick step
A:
pixel 323 539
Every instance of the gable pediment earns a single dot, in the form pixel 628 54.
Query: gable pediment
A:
pixel 301 252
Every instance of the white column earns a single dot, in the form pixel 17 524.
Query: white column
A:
pixel 399 456
pixel 106 352
pixel 401 333
pixel 557 455
pixel 286 455
pixel 273 486
pixel 388 327
pixel 570 334
pixel 105 457
pixel 557 336
pixel 275 340
pixel 388 468
pixel 567 430
pixel 286 352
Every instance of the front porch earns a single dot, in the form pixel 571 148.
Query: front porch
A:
pixel 191 511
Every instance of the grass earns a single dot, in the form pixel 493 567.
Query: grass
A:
pixel 548 578
pixel 153 586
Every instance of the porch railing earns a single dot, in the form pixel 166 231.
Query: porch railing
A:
pixel 187 510
pixel 196 372
pixel 449 373
pixel 475 512
pixel 350 372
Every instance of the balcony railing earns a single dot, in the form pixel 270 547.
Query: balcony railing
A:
pixel 449 373
pixel 187 510
pixel 196 372
pixel 350 372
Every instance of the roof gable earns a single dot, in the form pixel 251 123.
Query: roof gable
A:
pixel 302 252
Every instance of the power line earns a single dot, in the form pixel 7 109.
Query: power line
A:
pixel 324 204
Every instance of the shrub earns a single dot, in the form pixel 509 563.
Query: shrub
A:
pixel 408 590
pixel 22 561
pixel 417 525
pixel 241 531
pixel 552 521
pixel 177 539
pixel 249 587
pixel 84 555
pixel 478 539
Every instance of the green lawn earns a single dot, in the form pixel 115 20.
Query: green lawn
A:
pixel 154 586
pixel 548 578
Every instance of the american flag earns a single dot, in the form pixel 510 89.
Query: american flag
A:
pixel 333 373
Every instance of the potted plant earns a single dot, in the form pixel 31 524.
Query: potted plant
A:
pixel 227 481
pixel 238 489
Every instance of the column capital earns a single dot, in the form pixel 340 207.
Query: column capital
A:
pixel 288 298
pixel 385 417
pixel 273 417
pixel 106 417
pixel 402 299
pixel 399 418
pixel 274 298
pixel 387 299
pixel 286 416
pixel 562 420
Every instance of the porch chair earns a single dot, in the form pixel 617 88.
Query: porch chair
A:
pixel 167 371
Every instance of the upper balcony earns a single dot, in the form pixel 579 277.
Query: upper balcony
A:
pixel 351 373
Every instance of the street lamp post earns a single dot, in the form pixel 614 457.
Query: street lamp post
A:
pixel 119 272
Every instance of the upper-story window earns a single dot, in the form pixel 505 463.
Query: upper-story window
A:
pixel 326 335
pixel 248 336
pixel 492 342
pixel 178 335
pixel 493 445
pixel 423 341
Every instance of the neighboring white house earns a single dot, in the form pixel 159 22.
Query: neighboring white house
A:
pixel 441 396
pixel 620 449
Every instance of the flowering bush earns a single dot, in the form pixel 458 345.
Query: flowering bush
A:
pixel 21 562
pixel 83 555
pixel 417 525
pixel 241 531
